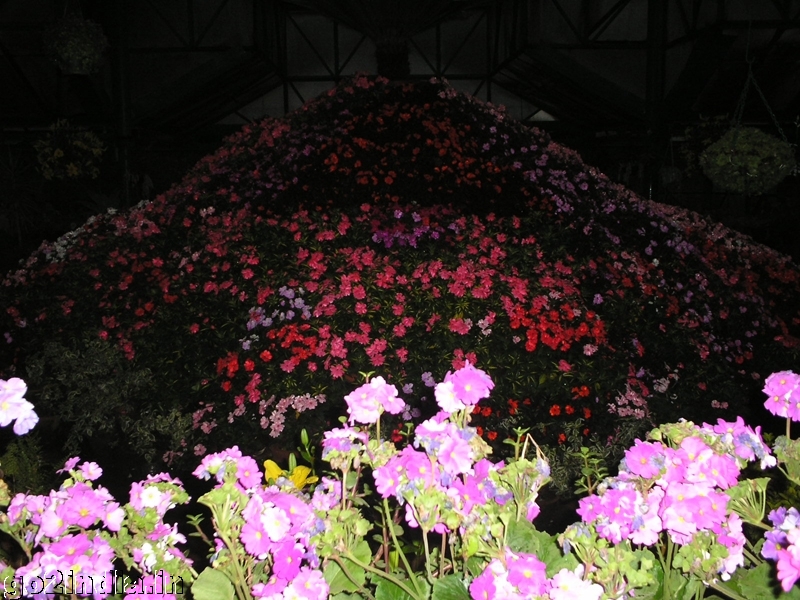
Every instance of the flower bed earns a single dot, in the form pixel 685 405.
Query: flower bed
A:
pixel 401 228
pixel 679 519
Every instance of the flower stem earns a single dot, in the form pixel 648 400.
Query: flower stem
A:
pixel 402 554
pixel 379 573
pixel 338 560
pixel 727 591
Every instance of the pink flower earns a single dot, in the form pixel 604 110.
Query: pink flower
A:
pixel 247 472
pixel 470 384
pixel 366 403
pixel 309 585
pixel 287 557
pixel 645 459
pixel 446 397
pixel 570 585
pixel 455 455
pixel 527 573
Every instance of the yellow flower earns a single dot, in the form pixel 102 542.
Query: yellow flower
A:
pixel 58 153
pixel 272 470
pixel 300 477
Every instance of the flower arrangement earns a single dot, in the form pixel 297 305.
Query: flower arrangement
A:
pixel 76 45
pixel 672 522
pixel 406 228
pixel 747 161
pixel 69 152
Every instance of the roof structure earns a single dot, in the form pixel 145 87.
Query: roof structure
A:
pixel 619 80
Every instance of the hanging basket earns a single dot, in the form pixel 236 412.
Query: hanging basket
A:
pixel 747 161
pixel 76 45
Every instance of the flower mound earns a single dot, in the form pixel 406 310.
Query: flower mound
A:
pixel 403 227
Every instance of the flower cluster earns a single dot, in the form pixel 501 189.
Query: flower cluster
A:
pixel 274 528
pixel 783 545
pixel 780 387
pixel 14 407
pixel 403 228
pixel 676 484
pixel 679 492
pixel 74 535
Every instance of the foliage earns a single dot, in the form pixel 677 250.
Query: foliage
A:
pixel 407 228
pixel 76 45
pixel 69 152
pixel 747 161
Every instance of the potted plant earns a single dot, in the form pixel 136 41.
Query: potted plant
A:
pixel 76 45
pixel 747 161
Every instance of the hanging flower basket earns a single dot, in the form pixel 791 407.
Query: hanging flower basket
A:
pixel 76 45
pixel 747 161
pixel 69 152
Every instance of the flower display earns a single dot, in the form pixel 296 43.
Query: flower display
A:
pixel 408 229
pixel 672 521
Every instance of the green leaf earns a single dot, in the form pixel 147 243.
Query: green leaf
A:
pixel 450 587
pixel 338 581
pixel 522 537
pixel 387 590
pixel 212 585
pixel 759 584
pixel 335 576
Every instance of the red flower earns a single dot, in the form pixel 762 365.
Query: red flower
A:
pixel 492 435
pixel 562 438
pixel 249 364
pixel 266 356
pixel 568 409
pixel 513 405
pixel 587 413
pixel 486 411
pixel 226 386
pixel 555 410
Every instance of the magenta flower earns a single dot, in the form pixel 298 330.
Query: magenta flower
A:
pixel 287 557
pixel 274 587
pixel 455 455
pixel 366 403
pixel 255 539
pixel 13 406
pixel 482 587
pixel 527 573
pixel 83 506
pixel 248 473
pixel 781 383
pixel 470 384
pixel 789 567
pixel 645 459
pixel 308 585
